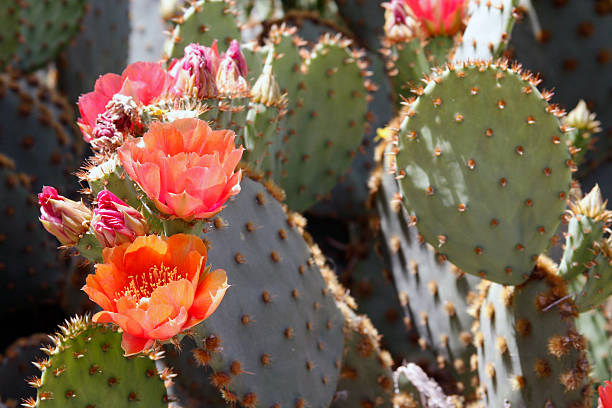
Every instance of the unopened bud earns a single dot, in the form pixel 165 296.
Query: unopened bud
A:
pixel 195 73
pixel 114 222
pixel 231 76
pixel 266 89
pixel 67 220
pixel 399 26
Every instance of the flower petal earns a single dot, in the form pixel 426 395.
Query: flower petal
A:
pixel 133 345
pixel 209 294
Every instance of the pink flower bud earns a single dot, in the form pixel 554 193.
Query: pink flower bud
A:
pixel 231 76
pixel 114 222
pixel 194 74
pixel 399 25
pixel 67 220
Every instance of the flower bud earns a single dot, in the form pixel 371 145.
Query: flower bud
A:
pixel 114 222
pixel 231 76
pixel 266 89
pixel 67 220
pixel 194 74
pixel 399 25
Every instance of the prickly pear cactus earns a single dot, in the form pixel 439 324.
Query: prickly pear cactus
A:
pixel 37 132
pixel 46 27
pixel 203 22
pixel 326 114
pixel 484 168
pixel 9 32
pixel 277 339
pixel 593 325
pixel 529 352
pixel 434 293
pixel 101 46
pixel 85 366
pixel 366 376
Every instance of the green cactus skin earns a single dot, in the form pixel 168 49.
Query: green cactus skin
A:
pixel 46 27
pixel 320 134
pixel 488 31
pixel 9 32
pixel 32 270
pixel 85 367
pixel 203 22
pixel 593 326
pixel 349 197
pixel 366 377
pixel 485 168
pixel 39 134
pixel 406 65
pixel 277 336
pixel 582 233
pixel 259 136
pixel 101 46
pixel 572 51
pixel 435 293
pixel 16 368
pixel 190 389
pixel 598 286
pixel 529 352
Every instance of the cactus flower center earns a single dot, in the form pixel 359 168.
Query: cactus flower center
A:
pixel 144 284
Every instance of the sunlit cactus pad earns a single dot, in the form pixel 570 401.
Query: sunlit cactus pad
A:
pixel 484 168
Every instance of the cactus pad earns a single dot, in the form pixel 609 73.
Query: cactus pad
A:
pixel 277 336
pixel 86 367
pixel 485 169
pixel 529 352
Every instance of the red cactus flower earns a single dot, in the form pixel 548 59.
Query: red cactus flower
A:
pixel 439 17
pixel 67 220
pixel 605 395
pixel 114 222
pixel 184 167
pixel 155 288
pixel 142 81
pixel 194 74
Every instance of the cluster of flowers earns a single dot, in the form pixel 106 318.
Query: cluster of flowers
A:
pixel 154 286
pixel 408 19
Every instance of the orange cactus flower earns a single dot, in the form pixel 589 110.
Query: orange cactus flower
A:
pixel 155 288
pixel 184 167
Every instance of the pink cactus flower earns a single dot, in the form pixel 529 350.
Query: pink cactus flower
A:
pixel 194 74
pixel 605 395
pixel 143 82
pixel 67 220
pixel 439 17
pixel 114 222
pixel 185 168
pixel 399 25
pixel 231 76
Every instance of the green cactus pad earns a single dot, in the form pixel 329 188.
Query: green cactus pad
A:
pixel 598 286
pixel 277 336
pixel 406 65
pixel 435 293
pixel 366 378
pixel 488 30
pixel 46 27
pixel 86 367
pixel 485 169
pixel 203 22
pixel 100 47
pixel 529 352
pixel 326 115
